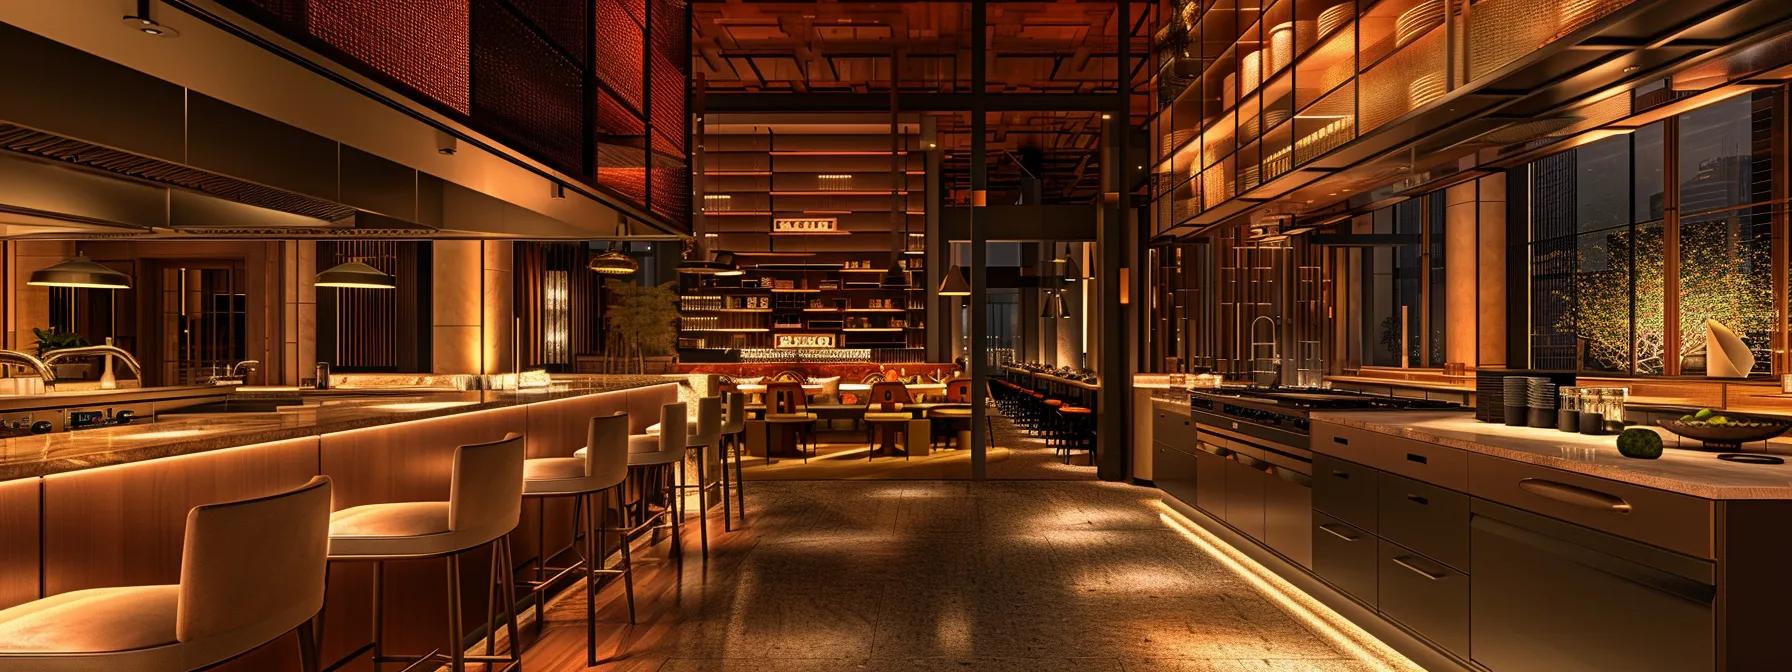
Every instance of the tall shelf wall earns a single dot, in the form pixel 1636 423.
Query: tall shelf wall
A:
pixel 819 283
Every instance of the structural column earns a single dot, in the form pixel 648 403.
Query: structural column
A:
pixel 976 357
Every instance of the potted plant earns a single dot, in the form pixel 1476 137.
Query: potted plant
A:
pixel 641 319
pixel 50 340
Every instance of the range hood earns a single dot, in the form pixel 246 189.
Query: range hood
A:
pixel 99 150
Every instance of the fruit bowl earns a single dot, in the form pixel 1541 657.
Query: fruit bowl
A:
pixel 1727 436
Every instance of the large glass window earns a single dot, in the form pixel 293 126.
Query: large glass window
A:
pixel 1603 287
pixel 1394 305
pixel 1726 243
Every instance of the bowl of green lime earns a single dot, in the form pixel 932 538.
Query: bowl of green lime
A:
pixel 1725 432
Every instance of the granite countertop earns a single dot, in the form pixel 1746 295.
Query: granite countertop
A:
pixel 1691 472
pixel 40 455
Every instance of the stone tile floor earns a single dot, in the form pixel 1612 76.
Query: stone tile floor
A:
pixel 940 575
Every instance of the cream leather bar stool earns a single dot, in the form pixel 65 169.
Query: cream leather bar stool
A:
pixel 485 501
pixel 705 442
pixel 250 571
pixel 734 431
pixel 650 468
pixel 601 471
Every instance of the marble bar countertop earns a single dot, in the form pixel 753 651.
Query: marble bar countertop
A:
pixel 1686 471
pixel 45 454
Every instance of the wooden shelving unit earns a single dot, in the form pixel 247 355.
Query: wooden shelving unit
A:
pixel 827 283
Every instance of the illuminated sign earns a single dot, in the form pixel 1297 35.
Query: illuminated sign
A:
pixel 787 341
pixel 806 225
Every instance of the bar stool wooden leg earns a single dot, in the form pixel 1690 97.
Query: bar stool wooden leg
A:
pixel 703 498
pixel 308 646
pixel 457 655
pixel 593 551
pixel 727 506
pixel 740 479
pixel 628 567
pixel 509 579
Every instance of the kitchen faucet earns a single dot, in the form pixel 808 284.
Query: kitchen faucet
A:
pixel 31 361
pixel 1275 351
pixel 122 354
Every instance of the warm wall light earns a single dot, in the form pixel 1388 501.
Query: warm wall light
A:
pixel 555 317
pixel 79 272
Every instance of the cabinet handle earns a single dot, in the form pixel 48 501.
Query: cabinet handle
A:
pixel 1402 561
pixel 1415 457
pixel 1574 495
pixel 1341 475
pixel 1340 441
pixel 1328 528
pixel 1421 501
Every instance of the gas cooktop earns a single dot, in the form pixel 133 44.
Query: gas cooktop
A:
pixel 1280 415
pixel 1316 399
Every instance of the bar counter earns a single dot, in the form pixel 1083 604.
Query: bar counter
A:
pixel 107 507
pixel 184 434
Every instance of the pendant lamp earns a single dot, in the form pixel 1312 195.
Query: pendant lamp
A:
pixel 354 275
pixel 79 271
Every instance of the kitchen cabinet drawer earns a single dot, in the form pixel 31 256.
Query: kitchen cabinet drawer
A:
pixel 1426 596
pixel 1288 514
pixel 1174 472
pixel 1245 482
pixel 1428 462
pixel 1346 557
pixel 1210 481
pixel 1547 595
pixel 1171 428
pixel 1345 490
pixel 1672 521
pixel 1425 518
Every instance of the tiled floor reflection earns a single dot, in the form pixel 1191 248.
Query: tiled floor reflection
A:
pixel 947 575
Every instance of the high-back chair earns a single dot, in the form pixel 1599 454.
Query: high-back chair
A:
pixel 250 571
pixel 884 414
pixel 787 408
pixel 600 470
pixel 958 391
pixel 485 502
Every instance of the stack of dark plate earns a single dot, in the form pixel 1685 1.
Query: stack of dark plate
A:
pixel 1490 395
pixel 1541 397
pixel 1516 393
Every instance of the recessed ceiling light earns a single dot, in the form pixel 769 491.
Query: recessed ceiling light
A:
pixel 142 22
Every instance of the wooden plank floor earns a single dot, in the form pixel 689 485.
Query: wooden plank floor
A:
pixel 938 575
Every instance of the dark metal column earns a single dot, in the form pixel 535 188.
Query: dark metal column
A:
pixel 1113 435
pixel 979 240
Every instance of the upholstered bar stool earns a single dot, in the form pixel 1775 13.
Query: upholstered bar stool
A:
pixel 485 501
pixel 250 571
pixel 601 471
pixel 734 430
pixel 650 468
pixel 704 442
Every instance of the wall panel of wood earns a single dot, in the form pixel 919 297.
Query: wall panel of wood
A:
pixel 19 521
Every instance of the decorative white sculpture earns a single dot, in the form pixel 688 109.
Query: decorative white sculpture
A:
pixel 1726 356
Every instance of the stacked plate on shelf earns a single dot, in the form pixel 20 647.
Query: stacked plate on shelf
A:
pixel 1332 18
pixel 1281 46
pixel 1417 20
pixel 1424 89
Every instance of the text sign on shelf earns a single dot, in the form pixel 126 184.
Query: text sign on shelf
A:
pixel 806 225
pixel 787 341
